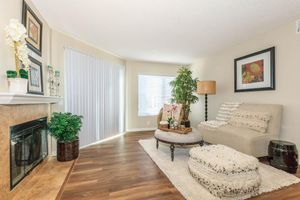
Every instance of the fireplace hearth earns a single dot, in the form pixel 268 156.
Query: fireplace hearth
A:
pixel 28 147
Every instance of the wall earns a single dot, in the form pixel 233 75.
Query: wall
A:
pixel 13 9
pixel 221 69
pixel 58 43
pixel 133 69
pixel 53 44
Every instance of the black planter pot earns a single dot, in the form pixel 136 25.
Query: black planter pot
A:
pixel 67 151
pixel 186 123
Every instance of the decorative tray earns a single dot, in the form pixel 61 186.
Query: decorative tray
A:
pixel 179 130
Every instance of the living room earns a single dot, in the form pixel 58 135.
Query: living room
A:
pixel 149 99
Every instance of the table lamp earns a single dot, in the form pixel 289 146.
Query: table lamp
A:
pixel 206 87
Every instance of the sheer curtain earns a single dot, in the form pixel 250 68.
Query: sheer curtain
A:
pixel 94 89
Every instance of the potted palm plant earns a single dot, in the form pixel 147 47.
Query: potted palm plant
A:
pixel 183 89
pixel 64 127
pixel 15 37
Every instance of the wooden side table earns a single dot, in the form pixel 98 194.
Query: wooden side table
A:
pixel 283 155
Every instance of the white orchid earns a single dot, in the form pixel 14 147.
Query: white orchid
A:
pixel 15 37
pixel 22 53
pixel 15 32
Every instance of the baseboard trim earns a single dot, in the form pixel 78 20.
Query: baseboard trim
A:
pixel 141 129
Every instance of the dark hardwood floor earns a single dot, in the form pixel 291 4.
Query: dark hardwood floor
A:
pixel 120 169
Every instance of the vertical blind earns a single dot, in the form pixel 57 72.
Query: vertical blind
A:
pixel 94 89
pixel 153 92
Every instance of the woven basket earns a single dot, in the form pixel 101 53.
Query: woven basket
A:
pixel 67 151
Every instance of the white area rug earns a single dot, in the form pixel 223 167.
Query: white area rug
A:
pixel 178 174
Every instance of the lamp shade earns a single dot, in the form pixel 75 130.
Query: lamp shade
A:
pixel 206 87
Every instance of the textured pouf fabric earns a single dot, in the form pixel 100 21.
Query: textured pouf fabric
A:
pixel 225 172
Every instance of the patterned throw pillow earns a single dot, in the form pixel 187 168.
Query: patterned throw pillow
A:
pixel 170 110
pixel 257 121
pixel 226 110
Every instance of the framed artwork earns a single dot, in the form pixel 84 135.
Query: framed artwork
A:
pixel 34 29
pixel 255 72
pixel 35 77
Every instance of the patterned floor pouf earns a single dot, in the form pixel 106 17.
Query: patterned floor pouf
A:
pixel 225 172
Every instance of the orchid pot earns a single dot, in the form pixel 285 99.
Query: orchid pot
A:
pixel 17 85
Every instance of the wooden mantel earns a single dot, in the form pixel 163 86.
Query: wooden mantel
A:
pixel 21 99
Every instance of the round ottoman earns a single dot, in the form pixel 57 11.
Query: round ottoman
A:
pixel 173 139
pixel 225 172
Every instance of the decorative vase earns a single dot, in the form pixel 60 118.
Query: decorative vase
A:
pixel 67 151
pixel 186 123
pixel 17 85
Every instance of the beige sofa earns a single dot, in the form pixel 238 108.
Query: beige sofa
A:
pixel 245 140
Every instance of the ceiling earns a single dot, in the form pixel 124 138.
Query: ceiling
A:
pixel 172 31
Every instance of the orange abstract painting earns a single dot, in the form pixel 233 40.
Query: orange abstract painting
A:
pixel 253 72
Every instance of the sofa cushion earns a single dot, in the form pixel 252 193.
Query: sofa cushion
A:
pixel 242 139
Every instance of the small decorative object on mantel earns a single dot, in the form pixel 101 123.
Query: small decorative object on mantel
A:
pixel 255 72
pixel 15 37
pixel 57 82
pixel 64 127
pixel 34 29
pixel 183 88
pixel 35 85
pixel 51 80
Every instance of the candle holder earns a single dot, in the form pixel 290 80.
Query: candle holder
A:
pixel 51 81
pixel 57 82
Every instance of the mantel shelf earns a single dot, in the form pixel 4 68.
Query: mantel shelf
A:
pixel 18 99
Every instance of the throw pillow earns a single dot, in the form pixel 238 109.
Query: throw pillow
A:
pixel 226 110
pixel 257 121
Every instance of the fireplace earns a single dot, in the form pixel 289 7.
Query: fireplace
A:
pixel 28 147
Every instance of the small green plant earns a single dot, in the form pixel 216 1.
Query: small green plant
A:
pixel 183 88
pixel 65 126
pixel 170 120
pixel 13 74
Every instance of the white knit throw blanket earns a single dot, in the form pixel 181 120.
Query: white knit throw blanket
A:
pixel 224 114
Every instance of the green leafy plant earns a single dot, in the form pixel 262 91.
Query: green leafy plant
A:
pixel 183 88
pixel 13 74
pixel 170 120
pixel 65 126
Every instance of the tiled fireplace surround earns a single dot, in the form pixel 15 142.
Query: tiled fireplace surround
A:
pixel 11 115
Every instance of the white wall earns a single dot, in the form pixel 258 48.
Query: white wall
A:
pixel 221 69
pixel 133 69
pixel 13 9
pixel 53 43
pixel 58 43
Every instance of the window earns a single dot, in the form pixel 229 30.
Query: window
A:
pixel 153 92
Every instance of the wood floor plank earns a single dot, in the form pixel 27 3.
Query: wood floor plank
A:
pixel 120 170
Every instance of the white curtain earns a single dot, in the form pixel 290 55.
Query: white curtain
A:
pixel 94 89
